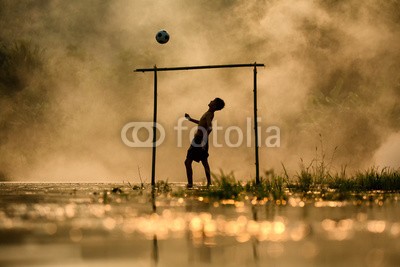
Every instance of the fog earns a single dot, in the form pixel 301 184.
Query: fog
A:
pixel 331 83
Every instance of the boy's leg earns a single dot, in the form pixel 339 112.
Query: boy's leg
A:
pixel 207 170
pixel 189 171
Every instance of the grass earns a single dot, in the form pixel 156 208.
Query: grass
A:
pixel 386 179
pixel 373 185
pixel 309 183
pixel 318 176
pixel 271 186
pixel 225 186
pixel 314 181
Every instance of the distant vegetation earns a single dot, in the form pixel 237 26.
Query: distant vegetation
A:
pixel 24 100
pixel 19 62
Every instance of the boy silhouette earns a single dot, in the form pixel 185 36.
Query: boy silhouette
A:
pixel 198 150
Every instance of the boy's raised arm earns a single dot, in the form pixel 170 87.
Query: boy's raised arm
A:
pixel 187 116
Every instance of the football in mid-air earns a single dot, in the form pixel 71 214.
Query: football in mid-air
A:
pixel 162 37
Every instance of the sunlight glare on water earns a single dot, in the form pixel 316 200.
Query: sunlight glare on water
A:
pixel 90 218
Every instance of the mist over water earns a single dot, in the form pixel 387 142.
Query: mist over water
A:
pixel 67 85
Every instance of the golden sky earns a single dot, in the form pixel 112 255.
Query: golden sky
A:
pixel 331 83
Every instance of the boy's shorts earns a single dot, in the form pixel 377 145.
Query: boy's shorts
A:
pixel 196 151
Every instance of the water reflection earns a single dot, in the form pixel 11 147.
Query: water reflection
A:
pixel 252 229
pixel 169 224
pixel 195 230
pixel 200 231
pixel 154 254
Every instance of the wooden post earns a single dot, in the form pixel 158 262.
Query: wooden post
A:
pixel 153 161
pixel 256 126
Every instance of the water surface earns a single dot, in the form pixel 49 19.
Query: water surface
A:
pixel 43 224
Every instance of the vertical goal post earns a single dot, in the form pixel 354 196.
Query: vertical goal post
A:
pixel 155 70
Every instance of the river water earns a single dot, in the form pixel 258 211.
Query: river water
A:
pixel 47 224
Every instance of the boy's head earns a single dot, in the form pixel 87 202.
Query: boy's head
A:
pixel 217 104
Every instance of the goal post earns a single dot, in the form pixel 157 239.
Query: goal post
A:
pixel 155 70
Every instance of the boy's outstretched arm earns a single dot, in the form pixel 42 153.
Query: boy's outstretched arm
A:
pixel 187 116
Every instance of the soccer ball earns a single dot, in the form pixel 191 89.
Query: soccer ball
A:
pixel 162 37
